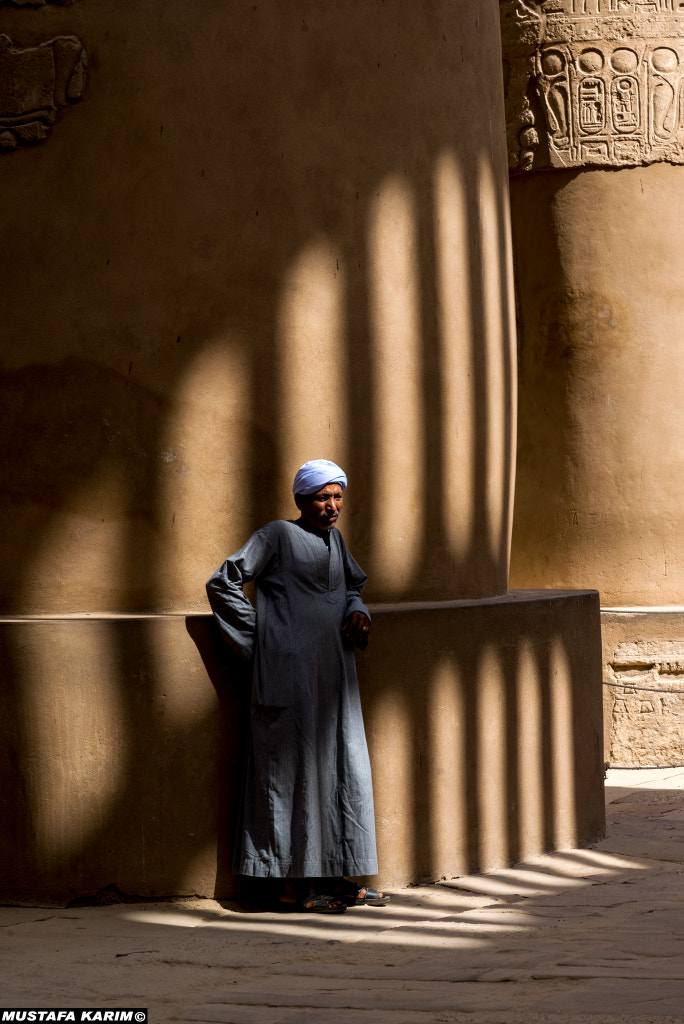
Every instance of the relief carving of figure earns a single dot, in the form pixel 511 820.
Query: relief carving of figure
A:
pixel 35 83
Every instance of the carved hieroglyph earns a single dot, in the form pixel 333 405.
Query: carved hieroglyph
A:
pixel 593 82
pixel 648 704
pixel 34 83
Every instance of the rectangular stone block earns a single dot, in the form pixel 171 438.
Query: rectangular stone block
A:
pixel 485 731
pixel 123 736
pixel 643 655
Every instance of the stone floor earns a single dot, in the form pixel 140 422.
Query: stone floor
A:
pixel 579 936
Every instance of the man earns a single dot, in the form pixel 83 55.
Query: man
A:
pixel 307 815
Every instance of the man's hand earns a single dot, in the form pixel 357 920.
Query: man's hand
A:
pixel 357 628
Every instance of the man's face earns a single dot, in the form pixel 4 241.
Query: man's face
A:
pixel 322 508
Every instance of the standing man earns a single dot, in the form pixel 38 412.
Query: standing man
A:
pixel 307 815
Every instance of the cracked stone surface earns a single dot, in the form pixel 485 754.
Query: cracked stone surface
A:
pixel 575 936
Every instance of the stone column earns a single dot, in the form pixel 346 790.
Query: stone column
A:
pixel 269 232
pixel 595 109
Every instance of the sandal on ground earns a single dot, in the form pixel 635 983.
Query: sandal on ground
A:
pixel 366 897
pixel 361 896
pixel 321 903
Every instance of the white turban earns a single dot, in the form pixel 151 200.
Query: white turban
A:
pixel 316 474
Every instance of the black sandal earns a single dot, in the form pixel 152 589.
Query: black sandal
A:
pixel 361 896
pixel 321 903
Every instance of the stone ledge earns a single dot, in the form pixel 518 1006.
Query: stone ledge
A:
pixel 121 743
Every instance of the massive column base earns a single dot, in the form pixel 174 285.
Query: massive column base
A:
pixel 123 741
pixel 485 728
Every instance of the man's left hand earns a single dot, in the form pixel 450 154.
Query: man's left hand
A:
pixel 356 628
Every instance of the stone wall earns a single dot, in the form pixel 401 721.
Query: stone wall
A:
pixel 644 692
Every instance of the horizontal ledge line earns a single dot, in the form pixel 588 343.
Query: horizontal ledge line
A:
pixel 641 609
pixel 511 598
pixel 635 686
pixel 100 616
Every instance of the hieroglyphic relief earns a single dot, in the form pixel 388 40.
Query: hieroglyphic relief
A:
pixel 593 82
pixel 34 83
pixel 646 680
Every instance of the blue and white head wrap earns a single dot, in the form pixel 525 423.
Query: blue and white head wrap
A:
pixel 315 474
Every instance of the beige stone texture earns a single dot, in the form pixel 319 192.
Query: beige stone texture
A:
pixel 643 670
pixel 599 494
pixel 484 725
pixel 122 740
pixel 267 233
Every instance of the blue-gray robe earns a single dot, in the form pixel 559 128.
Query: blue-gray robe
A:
pixel 308 799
